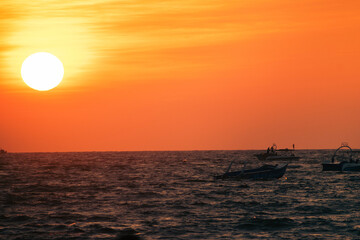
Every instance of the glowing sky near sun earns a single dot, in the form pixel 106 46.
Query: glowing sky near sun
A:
pixel 178 75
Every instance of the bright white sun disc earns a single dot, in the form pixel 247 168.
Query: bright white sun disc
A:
pixel 42 71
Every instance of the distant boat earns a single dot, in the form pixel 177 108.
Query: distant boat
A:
pixel 272 154
pixel 343 159
pixel 264 172
pixel 2 153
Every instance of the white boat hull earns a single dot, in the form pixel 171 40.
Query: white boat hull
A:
pixel 351 166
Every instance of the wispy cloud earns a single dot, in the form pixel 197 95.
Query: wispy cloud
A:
pixel 128 33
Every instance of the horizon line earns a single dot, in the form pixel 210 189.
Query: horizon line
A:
pixel 193 150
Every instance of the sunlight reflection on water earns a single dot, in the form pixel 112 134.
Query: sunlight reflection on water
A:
pixel 87 195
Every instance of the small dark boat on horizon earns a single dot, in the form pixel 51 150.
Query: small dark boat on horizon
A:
pixel 272 154
pixel 264 172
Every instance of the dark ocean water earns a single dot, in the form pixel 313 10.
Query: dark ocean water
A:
pixel 98 195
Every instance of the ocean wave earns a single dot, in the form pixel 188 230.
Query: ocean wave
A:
pixel 268 224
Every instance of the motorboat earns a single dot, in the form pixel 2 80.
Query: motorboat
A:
pixel 264 172
pixel 343 159
pixel 273 153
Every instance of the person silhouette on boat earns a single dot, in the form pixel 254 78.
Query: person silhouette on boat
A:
pixel 268 150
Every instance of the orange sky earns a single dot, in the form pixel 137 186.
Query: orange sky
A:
pixel 182 75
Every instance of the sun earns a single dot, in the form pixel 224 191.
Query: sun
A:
pixel 42 71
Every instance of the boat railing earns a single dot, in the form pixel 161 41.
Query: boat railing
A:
pixel 342 157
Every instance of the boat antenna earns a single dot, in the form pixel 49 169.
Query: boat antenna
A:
pixel 228 169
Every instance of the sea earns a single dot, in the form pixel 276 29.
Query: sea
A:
pixel 173 195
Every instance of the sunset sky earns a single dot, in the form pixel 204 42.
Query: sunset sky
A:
pixel 182 75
